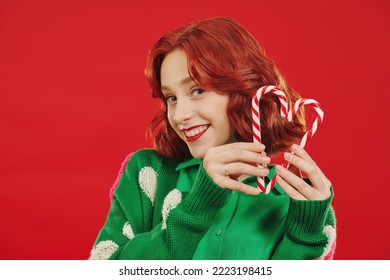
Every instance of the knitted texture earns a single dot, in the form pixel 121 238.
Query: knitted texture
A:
pixel 150 219
pixel 121 170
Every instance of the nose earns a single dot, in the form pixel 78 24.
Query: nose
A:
pixel 183 111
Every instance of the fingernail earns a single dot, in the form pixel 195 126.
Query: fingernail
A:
pixel 279 168
pixel 288 156
pixel 295 147
pixel 255 191
pixel 265 158
pixel 260 146
pixel 263 171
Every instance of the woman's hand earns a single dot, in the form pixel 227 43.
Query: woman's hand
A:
pixel 226 163
pixel 294 185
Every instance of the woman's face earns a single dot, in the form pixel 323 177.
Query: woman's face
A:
pixel 198 116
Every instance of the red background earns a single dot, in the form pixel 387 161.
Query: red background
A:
pixel 74 103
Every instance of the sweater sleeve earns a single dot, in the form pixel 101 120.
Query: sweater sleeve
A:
pixel 131 230
pixel 309 231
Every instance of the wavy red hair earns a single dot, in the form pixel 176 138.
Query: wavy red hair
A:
pixel 224 57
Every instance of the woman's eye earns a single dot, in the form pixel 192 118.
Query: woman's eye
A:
pixel 197 91
pixel 170 98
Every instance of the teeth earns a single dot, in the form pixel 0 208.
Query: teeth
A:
pixel 195 131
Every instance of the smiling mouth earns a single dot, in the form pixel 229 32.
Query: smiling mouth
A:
pixel 195 132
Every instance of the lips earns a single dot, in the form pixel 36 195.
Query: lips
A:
pixel 195 132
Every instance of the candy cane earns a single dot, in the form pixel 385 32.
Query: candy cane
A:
pixel 285 113
pixel 317 122
pixel 257 128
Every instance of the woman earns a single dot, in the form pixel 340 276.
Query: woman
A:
pixel 194 195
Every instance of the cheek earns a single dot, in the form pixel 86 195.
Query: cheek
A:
pixel 227 126
pixel 221 123
pixel 170 115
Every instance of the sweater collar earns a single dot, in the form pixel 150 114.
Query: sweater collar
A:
pixel 188 163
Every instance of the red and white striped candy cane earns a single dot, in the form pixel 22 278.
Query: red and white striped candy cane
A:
pixel 257 128
pixel 317 122
pixel 289 114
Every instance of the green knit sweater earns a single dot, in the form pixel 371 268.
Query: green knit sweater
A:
pixel 150 218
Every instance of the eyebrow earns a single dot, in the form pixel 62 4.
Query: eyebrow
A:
pixel 182 82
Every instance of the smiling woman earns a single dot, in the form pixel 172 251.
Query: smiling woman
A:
pixel 194 195
pixel 194 113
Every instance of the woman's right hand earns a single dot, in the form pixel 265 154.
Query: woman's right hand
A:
pixel 225 164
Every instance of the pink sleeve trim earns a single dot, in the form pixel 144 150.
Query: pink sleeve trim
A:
pixel 116 183
pixel 331 252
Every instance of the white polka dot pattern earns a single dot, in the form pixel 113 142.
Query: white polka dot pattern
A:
pixel 330 232
pixel 128 231
pixel 147 178
pixel 170 202
pixel 103 250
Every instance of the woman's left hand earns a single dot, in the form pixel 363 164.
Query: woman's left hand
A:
pixel 294 185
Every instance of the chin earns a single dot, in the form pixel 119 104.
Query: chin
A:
pixel 197 153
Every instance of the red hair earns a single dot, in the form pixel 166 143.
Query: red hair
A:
pixel 223 57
